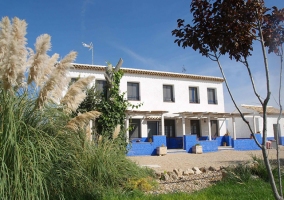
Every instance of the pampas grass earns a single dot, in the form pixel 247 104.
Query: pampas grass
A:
pixel 58 81
pixel 76 93
pixel 14 52
pixel 5 38
pixel 43 152
pixel 39 59
pixel 116 132
pixel 82 120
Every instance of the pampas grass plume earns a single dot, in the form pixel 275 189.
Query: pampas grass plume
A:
pixel 39 59
pixel 57 82
pixel 13 52
pixel 76 93
pixel 116 132
pixel 80 121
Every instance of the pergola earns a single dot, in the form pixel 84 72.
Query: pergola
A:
pixel 159 114
pixel 154 114
pixel 211 115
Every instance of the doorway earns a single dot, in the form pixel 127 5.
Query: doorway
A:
pixel 275 131
pixel 152 128
pixel 135 128
pixel 195 127
pixel 170 128
pixel 214 128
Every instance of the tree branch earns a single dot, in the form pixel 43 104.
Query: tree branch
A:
pixel 252 80
pixel 234 102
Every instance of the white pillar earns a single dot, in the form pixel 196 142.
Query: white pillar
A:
pixel 162 124
pixel 127 128
pixel 234 128
pixel 254 124
pixel 183 125
pixel 209 128
pixel 183 130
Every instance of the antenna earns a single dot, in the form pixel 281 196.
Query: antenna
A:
pixel 183 69
pixel 90 46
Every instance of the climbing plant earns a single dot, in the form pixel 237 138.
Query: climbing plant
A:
pixel 111 104
pixel 112 108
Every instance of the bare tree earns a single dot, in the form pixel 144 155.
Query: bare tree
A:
pixel 230 27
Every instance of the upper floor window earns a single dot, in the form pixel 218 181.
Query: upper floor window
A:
pixel 193 95
pixel 101 86
pixel 212 98
pixel 73 80
pixel 168 93
pixel 133 91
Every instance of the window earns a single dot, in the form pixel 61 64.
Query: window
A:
pixel 73 80
pixel 168 93
pixel 170 128
pixel 133 91
pixel 193 95
pixel 211 96
pixel 101 86
pixel 214 128
pixel 135 128
pixel 152 128
pixel 195 127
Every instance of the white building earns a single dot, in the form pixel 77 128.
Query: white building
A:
pixel 174 104
pixel 253 114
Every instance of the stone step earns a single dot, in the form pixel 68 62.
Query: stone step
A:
pixel 220 148
pixel 169 151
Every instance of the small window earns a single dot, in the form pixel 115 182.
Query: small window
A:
pixel 73 80
pixel 193 95
pixel 212 99
pixel 133 91
pixel 101 86
pixel 168 93
pixel 135 128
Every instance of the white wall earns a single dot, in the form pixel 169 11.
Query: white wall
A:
pixel 270 121
pixel 242 130
pixel 151 94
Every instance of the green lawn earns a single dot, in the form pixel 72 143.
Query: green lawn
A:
pixel 253 189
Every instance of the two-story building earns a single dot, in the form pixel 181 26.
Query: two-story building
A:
pixel 174 104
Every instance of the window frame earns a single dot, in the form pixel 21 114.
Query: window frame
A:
pixel 103 89
pixel 172 96
pixel 193 98
pixel 136 96
pixel 214 100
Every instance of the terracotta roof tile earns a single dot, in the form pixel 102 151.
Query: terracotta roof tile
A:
pixel 270 109
pixel 150 72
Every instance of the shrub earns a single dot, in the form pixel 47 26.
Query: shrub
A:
pixel 44 153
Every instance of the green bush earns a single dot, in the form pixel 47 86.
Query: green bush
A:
pixel 42 154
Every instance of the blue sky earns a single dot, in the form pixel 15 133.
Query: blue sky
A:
pixel 139 32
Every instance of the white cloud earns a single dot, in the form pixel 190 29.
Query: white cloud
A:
pixel 85 5
pixel 148 62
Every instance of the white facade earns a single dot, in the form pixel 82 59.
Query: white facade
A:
pixel 256 122
pixel 179 113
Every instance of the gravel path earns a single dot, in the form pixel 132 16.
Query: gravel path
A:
pixel 187 160
pixel 184 161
